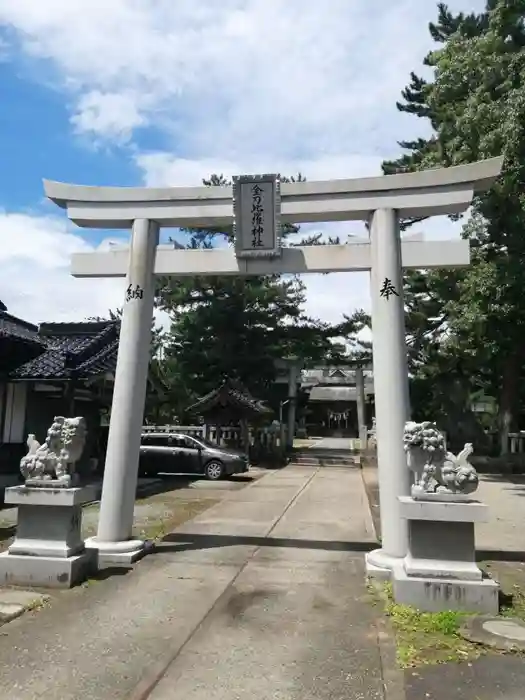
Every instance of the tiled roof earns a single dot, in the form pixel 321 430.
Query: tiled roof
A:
pixel 230 394
pixel 79 350
pixel 13 327
pixel 19 341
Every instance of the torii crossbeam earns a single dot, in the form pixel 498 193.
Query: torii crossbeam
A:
pixel 353 257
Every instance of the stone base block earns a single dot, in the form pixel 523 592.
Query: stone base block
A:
pixel 437 595
pixel 470 511
pixel 379 564
pixel 441 542
pixel 377 573
pixel 45 572
pixel 107 560
pixel 419 495
pixel 117 554
pixel 49 521
pixel 48 496
pixel 67 482
pixel 45 548
pixel 442 568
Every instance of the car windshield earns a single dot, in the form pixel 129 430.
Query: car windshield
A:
pixel 202 442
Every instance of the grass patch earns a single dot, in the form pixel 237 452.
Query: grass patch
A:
pixel 424 638
pixel 38 604
pixel 511 576
pixel 157 527
pixel 513 604
pixel 429 638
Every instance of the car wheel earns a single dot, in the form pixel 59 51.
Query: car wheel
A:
pixel 214 470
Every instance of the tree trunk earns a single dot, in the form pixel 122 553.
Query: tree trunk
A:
pixel 507 402
pixel 69 398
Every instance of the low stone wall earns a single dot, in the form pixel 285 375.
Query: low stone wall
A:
pixel 506 464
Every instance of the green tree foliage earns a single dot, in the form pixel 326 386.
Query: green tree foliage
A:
pixel 237 327
pixel 466 328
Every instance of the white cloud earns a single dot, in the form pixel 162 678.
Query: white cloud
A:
pixel 35 257
pixel 234 76
pixel 114 115
pixel 233 86
pixel 161 169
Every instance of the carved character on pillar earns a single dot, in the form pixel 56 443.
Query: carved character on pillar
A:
pixel 134 292
pixel 388 289
pixel 437 471
pixel 55 460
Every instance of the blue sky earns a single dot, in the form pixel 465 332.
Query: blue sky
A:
pixel 165 92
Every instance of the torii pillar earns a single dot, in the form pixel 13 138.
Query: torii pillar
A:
pixel 361 407
pixel 293 365
pixel 380 200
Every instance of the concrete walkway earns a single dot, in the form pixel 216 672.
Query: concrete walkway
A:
pixel 504 495
pixel 330 443
pixel 261 596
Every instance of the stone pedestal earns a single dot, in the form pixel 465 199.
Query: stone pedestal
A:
pixel 439 571
pixel 117 554
pixel 48 549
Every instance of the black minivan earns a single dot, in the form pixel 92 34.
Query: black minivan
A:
pixel 176 453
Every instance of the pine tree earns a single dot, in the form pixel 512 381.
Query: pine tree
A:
pixel 236 327
pixel 466 327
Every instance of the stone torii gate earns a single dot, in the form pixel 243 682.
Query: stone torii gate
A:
pixel 381 201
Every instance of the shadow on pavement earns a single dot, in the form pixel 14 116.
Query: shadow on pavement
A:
pixel 172 482
pixel 516 482
pixel 516 479
pixel 499 555
pixel 488 678
pixel 109 572
pixel 7 531
pixel 152 486
pixel 192 541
